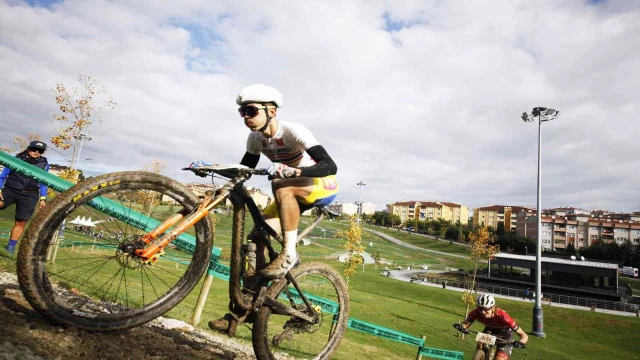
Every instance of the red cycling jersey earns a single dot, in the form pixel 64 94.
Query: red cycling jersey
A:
pixel 500 320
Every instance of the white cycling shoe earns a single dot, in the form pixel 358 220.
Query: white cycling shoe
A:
pixel 280 266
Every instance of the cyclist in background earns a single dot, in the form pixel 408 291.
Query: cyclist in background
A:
pixel 497 321
pixel 303 176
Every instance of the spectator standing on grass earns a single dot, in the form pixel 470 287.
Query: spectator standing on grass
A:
pixel 23 191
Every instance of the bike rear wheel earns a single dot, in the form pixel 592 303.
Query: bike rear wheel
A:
pixel 91 277
pixel 275 333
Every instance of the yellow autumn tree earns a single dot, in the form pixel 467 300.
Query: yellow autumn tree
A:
pixel 79 110
pixel 353 245
pixel 482 246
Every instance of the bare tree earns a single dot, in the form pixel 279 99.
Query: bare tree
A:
pixel 20 143
pixel 147 199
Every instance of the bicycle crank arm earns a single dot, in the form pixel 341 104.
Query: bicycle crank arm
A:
pixel 283 309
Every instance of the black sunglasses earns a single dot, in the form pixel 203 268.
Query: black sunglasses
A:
pixel 251 110
pixel 41 151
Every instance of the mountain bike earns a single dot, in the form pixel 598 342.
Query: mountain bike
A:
pixel 155 245
pixel 488 344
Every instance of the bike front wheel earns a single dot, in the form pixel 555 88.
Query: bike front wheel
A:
pixel 327 291
pixel 480 354
pixel 77 263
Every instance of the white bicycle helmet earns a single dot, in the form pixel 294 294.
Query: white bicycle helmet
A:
pixel 485 301
pixel 259 93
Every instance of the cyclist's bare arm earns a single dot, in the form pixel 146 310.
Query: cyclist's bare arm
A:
pixel 523 336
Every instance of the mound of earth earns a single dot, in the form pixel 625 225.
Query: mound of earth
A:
pixel 24 334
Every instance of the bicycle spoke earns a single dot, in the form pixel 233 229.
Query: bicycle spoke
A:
pixel 326 293
pixel 89 274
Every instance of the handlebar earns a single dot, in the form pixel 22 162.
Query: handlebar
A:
pixel 229 171
pixel 515 344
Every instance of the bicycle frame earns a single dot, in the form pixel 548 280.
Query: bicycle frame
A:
pixel 235 191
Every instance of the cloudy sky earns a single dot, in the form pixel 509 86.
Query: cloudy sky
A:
pixel 420 100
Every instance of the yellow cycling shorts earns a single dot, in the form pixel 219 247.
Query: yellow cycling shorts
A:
pixel 324 192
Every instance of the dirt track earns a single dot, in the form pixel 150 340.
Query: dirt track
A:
pixel 26 335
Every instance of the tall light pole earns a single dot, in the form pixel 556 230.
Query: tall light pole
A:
pixel 360 184
pixel 543 114
pixel 81 138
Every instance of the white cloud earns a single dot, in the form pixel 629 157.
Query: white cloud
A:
pixel 426 111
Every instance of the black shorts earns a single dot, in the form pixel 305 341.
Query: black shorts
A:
pixel 25 202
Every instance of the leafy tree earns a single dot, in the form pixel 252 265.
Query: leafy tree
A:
pixel 482 246
pixel 376 258
pixel 353 245
pixel 78 111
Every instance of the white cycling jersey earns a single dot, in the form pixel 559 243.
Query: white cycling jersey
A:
pixel 287 146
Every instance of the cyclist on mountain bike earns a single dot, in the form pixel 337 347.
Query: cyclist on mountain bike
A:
pixel 497 321
pixel 302 173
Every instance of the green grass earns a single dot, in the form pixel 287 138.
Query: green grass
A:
pixel 420 310
pixel 634 283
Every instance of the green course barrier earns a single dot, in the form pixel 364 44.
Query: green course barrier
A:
pixel 441 354
pixel 187 242
pixel 383 332
pixel 107 206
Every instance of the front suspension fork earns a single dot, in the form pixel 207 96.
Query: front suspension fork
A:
pixel 156 245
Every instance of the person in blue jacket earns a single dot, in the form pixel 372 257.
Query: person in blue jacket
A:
pixel 25 192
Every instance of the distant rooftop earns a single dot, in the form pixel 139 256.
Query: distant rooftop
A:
pixel 576 262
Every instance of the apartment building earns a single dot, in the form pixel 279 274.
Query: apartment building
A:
pixel 490 216
pixel 429 210
pixel 578 228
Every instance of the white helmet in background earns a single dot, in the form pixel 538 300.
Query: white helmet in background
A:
pixel 485 301
pixel 259 93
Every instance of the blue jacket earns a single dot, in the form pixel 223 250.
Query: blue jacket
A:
pixel 15 181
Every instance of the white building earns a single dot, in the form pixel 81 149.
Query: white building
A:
pixel 368 208
pixel 350 209
pixel 344 208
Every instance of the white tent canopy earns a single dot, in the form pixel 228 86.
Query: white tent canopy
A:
pixel 84 222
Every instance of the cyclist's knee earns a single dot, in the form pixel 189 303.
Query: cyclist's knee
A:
pixel 501 355
pixel 20 223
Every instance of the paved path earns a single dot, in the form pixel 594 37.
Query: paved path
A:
pixel 405 275
pixel 402 243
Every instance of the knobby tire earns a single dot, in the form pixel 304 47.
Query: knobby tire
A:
pixel 35 274
pixel 263 341
pixel 480 355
